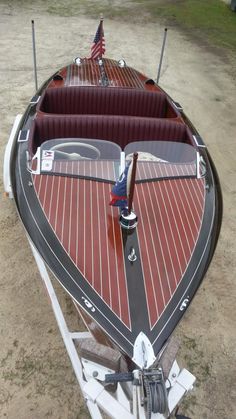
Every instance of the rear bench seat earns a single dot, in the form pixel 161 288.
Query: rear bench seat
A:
pixel 107 101
pixel 119 129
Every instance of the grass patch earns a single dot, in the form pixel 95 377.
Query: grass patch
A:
pixel 211 20
pixel 194 360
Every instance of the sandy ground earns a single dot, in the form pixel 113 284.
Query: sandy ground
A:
pixel 36 377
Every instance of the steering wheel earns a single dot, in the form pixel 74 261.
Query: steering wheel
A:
pixel 72 156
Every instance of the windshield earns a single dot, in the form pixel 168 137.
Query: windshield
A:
pixel 163 159
pixel 89 158
pixel 81 157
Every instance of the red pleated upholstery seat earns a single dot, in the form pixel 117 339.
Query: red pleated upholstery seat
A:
pixel 106 101
pixel 119 129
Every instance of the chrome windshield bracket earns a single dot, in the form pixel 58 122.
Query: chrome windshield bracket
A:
pixel 201 166
pixel 29 161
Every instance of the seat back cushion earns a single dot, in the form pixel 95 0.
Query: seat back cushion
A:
pixel 118 129
pixel 107 101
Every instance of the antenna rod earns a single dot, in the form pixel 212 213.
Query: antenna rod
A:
pixel 162 54
pixel 132 182
pixel 34 56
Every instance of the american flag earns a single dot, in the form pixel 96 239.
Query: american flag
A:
pixel 120 191
pixel 98 46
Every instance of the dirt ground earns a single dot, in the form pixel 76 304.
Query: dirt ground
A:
pixel 36 379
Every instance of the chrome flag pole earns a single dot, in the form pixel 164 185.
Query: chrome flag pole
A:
pixel 34 56
pixel 101 35
pixel 132 182
pixel 162 54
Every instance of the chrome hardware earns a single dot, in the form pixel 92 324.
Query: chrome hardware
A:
pixel 128 220
pixel 35 99
pixel 201 166
pixel 78 61
pixel 132 256
pixel 199 141
pixel 29 162
pixel 177 106
pixel 121 63
pixel 23 136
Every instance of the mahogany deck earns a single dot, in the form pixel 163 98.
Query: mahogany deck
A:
pixel 98 169
pixel 170 214
pixel 89 74
pixel 86 225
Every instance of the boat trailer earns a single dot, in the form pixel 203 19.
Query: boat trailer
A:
pixel 101 372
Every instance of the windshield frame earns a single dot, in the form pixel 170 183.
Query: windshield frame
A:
pixel 157 169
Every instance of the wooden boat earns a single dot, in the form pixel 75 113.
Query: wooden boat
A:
pixel 132 276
